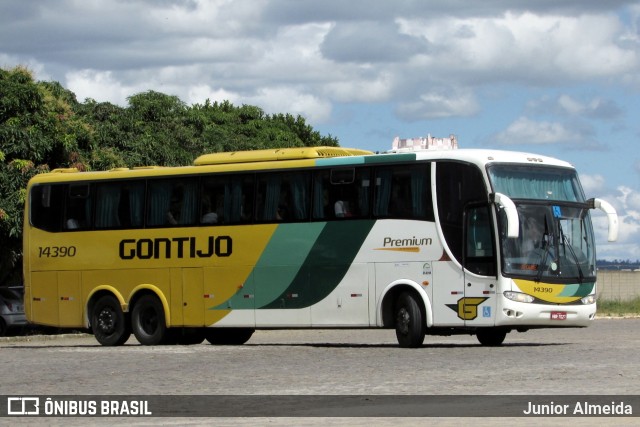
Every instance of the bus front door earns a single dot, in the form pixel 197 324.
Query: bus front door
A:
pixel 478 306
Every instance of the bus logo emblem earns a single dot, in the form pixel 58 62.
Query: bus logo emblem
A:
pixel 467 308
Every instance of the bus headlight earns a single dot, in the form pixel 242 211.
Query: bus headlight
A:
pixel 518 296
pixel 589 299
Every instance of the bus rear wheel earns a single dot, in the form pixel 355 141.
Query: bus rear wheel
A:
pixel 109 323
pixel 228 336
pixel 410 321
pixel 491 337
pixel 148 321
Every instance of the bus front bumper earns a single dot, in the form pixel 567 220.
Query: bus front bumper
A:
pixel 522 314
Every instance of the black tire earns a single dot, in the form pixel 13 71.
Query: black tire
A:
pixel 171 336
pixel 190 336
pixel 491 337
pixel 109 324
pixel 148 321
pixel 411 324
pixel 3 327
pixel 228 336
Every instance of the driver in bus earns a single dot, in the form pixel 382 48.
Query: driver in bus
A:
pixel 533 236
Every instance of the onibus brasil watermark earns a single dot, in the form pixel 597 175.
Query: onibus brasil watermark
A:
pixel 36 406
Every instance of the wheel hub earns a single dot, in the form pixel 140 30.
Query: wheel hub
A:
pixel 403 321
pixel 106 321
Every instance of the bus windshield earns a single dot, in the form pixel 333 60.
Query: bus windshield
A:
pixel 556 240
pixel 536 182
pixel 556 243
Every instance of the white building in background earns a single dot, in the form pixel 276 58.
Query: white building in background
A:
pixel 425 143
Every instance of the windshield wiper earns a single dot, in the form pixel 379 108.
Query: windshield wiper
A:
pixel 542 264
pixel 546 241
pixel 573 254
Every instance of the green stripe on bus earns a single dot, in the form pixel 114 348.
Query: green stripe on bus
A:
pixel 278 265
pixel 577 290
pixel 390 158
pixel 340 161
pixel 326 265
pixel 368 160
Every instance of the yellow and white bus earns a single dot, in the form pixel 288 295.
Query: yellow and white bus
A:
pixel 434 242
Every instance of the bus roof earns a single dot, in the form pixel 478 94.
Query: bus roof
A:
pixel 277 154
pixel 301 157
pixel 482 157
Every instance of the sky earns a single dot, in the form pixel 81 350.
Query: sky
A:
pixel 553 77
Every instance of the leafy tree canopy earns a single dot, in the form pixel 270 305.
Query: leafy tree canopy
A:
pixel 43 126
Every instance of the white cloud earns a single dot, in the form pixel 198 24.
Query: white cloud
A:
pixel 626 201
pixel 198 94
pixel 439 104
pixel 527 131
pixel 293 101
pixel 231 17
pixel 376 88
pixel 572 107
pixel 38 68
pixel 99 85
pixel 404 54
pixel 592 184
pixel 630 200
pixel 525 47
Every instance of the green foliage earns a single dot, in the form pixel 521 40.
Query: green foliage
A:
pixel 43 126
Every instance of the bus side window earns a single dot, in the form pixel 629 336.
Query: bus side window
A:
pixel 172 202
pixel 78 207
pixel 403 191
pixel 321 209
pixel 283 197
pixel 119 204
pixel 212 197
pixel 341 193
pixel 46 204
pixel 226 199
pixel 238 199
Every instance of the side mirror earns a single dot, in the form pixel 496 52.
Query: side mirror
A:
pixel 505 203
pixel 612 216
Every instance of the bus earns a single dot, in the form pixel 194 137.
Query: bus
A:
pixel 426 242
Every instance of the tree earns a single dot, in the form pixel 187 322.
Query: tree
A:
pixel 37 129
pixel 43 127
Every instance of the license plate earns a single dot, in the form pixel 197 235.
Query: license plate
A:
pixel 558 315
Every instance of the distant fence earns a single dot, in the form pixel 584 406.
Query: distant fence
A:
pixel 618 285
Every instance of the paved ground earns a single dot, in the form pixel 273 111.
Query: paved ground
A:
pixel 602 359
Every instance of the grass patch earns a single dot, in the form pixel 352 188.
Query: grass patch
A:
pixel 618 307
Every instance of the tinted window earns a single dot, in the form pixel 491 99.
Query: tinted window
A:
pixel 403 191
pixel 172 202
pixel 227 199
pixel 46 206
pixel 78 207
pixel 457 185
pixel 119 204
pixel 341 193
pixel 283 197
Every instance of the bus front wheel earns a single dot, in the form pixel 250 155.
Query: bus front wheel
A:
pixel 148 321
pixel 410 321
pixel 108 322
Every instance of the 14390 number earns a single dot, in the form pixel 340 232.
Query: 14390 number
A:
pixel 56 251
